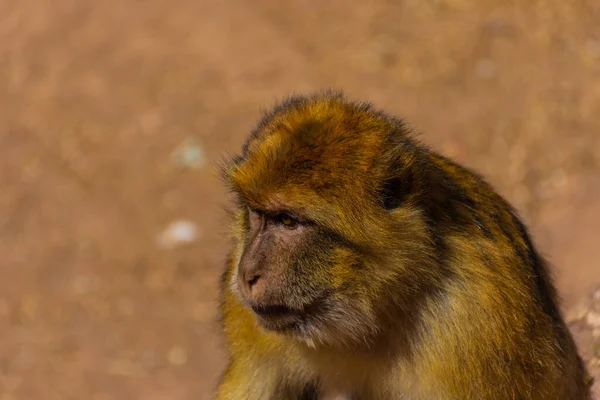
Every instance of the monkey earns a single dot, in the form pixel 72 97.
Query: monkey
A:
pixel 366 265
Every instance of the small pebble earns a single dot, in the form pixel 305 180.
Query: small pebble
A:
pixel 178 233
pixel 577 312
pixel 596 301
pixel 593 319
pixel 485 69
pixel 190 154
pixel 177 356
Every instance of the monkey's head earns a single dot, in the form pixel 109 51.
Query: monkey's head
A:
pixel 328 232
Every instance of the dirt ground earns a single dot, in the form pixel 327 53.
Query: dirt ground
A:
pixel 97 98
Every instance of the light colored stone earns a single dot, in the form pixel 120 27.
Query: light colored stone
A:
pixel 178 233
pixel 595 306
pixel 177 356
pixel 577 312
pixel 593 319
pixel 485 69
pixel 190 154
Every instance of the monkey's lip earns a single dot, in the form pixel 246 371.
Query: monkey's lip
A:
pixel 276 317
pixel 282 318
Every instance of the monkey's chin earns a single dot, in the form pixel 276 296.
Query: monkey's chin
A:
pixel 279 325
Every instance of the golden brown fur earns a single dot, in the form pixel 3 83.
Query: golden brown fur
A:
pixel 366 264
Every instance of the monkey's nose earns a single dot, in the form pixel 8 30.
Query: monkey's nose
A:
pixel 253 280
pixel 253 285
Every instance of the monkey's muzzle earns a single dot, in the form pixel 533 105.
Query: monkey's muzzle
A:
pixel 277 317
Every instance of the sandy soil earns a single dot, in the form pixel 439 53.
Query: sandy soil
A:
pixel 95 96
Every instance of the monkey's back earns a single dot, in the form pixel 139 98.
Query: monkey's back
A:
pixel 504 299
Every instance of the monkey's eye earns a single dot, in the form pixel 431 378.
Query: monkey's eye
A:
pixel 288 221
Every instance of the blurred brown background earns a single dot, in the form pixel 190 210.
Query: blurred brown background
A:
pixel 113 114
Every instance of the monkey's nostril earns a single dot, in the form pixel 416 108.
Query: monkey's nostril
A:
pixel 253 280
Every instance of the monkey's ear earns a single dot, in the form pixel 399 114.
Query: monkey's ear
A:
pixel 396 188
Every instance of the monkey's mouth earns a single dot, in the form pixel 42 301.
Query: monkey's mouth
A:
pixel 277 317
pixel 284 319
pixel 272 310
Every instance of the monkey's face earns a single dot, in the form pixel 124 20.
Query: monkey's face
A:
pixel 270 277
pixel 324 232
pixel 300 278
